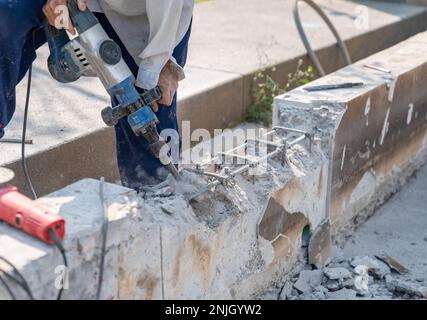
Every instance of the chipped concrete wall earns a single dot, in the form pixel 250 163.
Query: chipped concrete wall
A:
pixel 229 244
pixel 379 135
pixel 237 240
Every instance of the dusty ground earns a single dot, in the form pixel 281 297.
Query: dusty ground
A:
pixel 398 229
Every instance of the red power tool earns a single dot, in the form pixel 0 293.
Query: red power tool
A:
pixel 25 214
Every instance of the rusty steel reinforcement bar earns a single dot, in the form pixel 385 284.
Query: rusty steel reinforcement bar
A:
pixel 244 145
pixel 280 146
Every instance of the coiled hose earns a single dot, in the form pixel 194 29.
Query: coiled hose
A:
pixel 316 62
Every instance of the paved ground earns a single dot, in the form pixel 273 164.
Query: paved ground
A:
pixel 398 228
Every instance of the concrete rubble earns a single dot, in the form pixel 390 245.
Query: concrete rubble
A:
pixel 337 273
pixel 375 267
pixel 348 283
pixel 308 280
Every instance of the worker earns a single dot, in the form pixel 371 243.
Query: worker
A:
pixel 153 36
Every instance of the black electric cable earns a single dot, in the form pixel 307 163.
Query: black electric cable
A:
pixel 6 286
pixel 24 129
pixel 21 282
pixel 316 62
pixel 18 282
pixel 58 244
pixel 104 238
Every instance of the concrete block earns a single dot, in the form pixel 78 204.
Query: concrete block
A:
pixel 189 253
pixel 378 132
pixel 308 280
pixel 337 273
pixel 80 205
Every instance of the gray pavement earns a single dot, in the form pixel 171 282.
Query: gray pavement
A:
pixel 398 228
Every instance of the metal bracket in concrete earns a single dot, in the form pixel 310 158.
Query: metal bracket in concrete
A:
pixel 252 161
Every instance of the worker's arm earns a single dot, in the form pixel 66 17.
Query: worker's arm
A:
pixel 54 13
pixel 158 67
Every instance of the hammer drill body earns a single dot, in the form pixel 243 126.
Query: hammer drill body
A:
pixel 94 54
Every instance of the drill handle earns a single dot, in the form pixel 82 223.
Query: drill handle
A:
pixel 111 116
pixel 73 8
pixel 150 96
pixel 82 20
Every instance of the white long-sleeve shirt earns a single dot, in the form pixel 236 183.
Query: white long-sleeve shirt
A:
pixel 150 30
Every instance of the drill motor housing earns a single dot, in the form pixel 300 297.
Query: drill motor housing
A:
pixel 23 213
pixel 92 53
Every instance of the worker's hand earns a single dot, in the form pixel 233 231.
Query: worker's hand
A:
pixel 168 84
pixel 56 12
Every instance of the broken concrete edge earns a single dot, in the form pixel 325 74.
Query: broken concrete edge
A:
pixel 190 253
pixel 202 109
pixel 386 158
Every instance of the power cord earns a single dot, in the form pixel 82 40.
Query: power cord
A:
pixel 24 129
pixel 6 286
pixel 57 241
pixel 104 237
pixel 21 281
pixel 59 245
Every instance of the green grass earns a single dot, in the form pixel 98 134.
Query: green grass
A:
pixel 265 89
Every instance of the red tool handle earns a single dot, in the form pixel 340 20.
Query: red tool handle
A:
pixel 25 214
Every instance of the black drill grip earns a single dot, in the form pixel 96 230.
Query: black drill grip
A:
pixel 150 96
pixel 111 116
pixel 82 20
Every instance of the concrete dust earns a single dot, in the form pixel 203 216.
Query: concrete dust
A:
pixel 250 189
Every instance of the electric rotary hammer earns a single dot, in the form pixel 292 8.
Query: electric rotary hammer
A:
pixel 92 53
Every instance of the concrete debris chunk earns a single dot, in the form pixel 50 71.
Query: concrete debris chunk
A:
pixel 286 291
pixel 375 267
pixel 316 295
pixel 343 294
pixel 308 280
pixel 337 273
pixel 320 246
pixel 405 287
pixel 333 285
pixel 168 209
pixel 348 283
pixel 392 263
